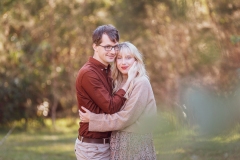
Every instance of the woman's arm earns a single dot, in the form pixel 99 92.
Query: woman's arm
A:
pixel 132 110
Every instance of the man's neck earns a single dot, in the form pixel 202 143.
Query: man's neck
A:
pixel 98 59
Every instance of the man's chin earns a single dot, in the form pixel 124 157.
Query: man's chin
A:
pixel 110 60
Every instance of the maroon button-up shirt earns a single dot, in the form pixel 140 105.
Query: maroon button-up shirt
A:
pixel 94 91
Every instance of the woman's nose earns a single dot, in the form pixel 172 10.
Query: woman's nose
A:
pixel 123 61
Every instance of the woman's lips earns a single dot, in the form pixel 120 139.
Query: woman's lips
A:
pixel 124 68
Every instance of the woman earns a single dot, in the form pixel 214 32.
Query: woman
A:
pixel 131 137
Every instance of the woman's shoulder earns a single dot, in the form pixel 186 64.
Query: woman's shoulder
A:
pixel 142 80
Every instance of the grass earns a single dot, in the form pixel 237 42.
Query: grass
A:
pixel 171 142
pixel 41 144
pixel 183 143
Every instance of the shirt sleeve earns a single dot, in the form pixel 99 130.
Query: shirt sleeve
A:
pixel 108 102
pixel 133 109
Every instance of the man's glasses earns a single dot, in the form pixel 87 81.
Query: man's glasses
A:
pixel 109 48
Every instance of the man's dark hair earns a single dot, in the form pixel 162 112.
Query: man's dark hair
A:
pixel 110 30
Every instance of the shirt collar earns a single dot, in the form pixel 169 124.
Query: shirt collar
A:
pixel 99 64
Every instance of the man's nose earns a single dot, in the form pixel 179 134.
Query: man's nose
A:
pixel 113 51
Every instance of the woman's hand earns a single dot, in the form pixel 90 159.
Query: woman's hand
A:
pixel 132 73
pixel 84 117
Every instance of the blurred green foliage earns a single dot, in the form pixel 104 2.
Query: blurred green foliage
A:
pixel 44 43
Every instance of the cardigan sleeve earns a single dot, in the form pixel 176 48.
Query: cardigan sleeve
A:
pixel 132 110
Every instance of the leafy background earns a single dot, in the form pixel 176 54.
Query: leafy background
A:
pixel 187 44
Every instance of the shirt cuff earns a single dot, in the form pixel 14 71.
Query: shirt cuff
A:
pixel 121 92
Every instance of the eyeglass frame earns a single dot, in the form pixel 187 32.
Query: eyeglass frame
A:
pixel 116 46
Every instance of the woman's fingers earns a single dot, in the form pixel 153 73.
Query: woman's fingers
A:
pixel 84 114
pixel 133 70
pixel 81 115
pixel 85 109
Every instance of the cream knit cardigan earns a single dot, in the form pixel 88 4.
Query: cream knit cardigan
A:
pixel 137 114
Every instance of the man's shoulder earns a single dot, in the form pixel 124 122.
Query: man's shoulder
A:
pixel 87 68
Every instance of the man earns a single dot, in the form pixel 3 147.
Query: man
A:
pixel 94 91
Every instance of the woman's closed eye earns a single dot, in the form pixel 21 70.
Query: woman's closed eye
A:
pixel 128 57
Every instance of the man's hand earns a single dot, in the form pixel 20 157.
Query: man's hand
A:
pixel 84 117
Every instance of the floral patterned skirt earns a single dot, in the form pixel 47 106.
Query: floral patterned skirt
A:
pixel 132 146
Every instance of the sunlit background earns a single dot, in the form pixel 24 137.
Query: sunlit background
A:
pixel 191 51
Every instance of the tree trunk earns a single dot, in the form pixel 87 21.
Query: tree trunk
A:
pixel 53 113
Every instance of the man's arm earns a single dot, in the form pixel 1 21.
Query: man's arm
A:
pixel 108 102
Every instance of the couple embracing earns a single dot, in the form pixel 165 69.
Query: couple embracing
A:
pixel 116 102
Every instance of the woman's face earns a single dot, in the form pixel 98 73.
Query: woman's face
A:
pixel 124 62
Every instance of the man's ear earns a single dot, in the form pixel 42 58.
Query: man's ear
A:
pixel 94 47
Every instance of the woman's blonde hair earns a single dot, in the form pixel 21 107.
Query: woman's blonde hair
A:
pixel 127 47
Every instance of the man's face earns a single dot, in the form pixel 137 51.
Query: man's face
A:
pixel 101 54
